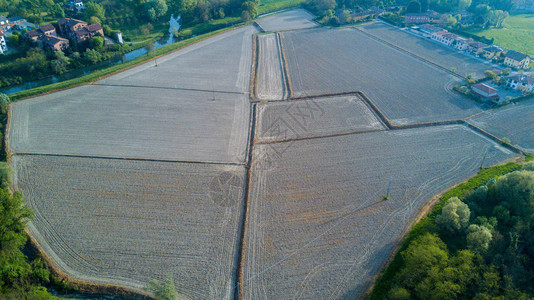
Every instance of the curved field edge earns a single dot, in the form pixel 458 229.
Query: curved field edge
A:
pixel 81 286
pixel 422 224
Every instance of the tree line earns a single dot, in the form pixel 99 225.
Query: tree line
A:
pixel 478 247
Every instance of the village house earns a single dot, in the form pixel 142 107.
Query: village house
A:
pixel 54 43
pixel 68 26
pixel 446 38
pixel 426 30
pixel 79 30
pixel 45 30
pixel 476 47
pixel 3 45
pixel 433 17
pixel 24 26
pixel 416 18
pixel 438 36
pixel 485 92
pixel 491 52
pixel 89 32
pixel 15 20
pixel 521 81
pixel 461 43
pixel 76 5
pixel 516 60
pixel 4 23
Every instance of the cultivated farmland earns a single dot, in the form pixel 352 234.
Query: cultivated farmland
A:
pixel 515 122
pixel 314 117
pixel 271 80
pixel 405 88
pixel 289 20
pixel 437 53
pixel 220 63
pixel 126 222
pixel 133 122
pixel 317 226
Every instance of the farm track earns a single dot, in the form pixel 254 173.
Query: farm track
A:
pixel 408 52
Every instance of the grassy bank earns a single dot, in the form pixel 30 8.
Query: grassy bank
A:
pixel 427 225
pixel 517 33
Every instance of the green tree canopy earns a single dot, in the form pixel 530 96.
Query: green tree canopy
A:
pixel 454 216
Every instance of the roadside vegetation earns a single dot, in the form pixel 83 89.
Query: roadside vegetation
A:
pixel 475 244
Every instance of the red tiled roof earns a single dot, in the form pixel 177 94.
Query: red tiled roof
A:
pixel 485 88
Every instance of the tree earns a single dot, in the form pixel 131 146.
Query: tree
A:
pixel 155 9
pixel 96 43
pixel 413 7
pixel 422 255
pixel 4 103
pixel 60 64
pixel 424 5
pixel 95 10
pixel 13 215
pixel 478 238
pixel 517 188
pixel 163 290
pixel 250 7
pixel 454 216
pixel 245 16
pixel 463 4
pixel 92 55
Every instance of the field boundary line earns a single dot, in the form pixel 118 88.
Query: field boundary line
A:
pixel 166 88
pixel 494 138
pixel 302 138
pixel 283 69
pixel 256 24
pixel 285 65
pixel 255 64
pixel 130 158
pixel 408 52
pixel 241 251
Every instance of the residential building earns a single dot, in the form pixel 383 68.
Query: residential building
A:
pixel 88 32
pixel 516 60
pixel 433 17
pixel 521 81
pixel 24 26
pixel 485 92
pixel 3 45
pixel 427 30
pixel 54 43
pixel 476 47
pixel 447 38
pixel 460 43
pixel 416 18
pixel 45 30
pixel 438 36
pixel 492 52
pixel 4 23
pixel 15 20
pixel 68 26
pixel 76 5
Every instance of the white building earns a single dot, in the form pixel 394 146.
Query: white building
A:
pixel 3 45
pixel 521 81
